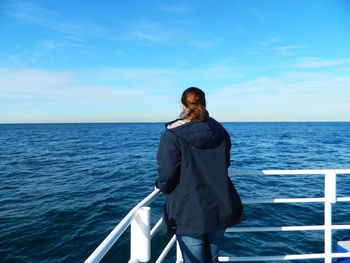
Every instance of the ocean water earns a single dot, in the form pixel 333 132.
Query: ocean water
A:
pixel 64 187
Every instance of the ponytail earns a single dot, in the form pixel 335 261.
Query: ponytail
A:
pixel 194 100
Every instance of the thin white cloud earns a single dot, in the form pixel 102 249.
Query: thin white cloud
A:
pixel 168 34
pixel 152 32
pixel 31 95
pixel 278 45
pixel 258 15
pixel 289 96
pixel 32 84
pixel 47 45
pixel 30 13
pixel 54 21
pixel 139 31
pixel 153 94
pixel 316 62
pixel 270 41
pixel 204 44
pixel 289 50
pixel 177 8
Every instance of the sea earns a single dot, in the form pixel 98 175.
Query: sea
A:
pixel 64 187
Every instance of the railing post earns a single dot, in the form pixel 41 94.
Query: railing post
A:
pixel 330 189
pixel 179 258
pixel 140 241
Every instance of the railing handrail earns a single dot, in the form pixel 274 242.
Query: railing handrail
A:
pixel 287 172
pixel 108 242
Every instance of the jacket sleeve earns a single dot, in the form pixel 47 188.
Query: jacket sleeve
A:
pixel 169 163
pixel 228 148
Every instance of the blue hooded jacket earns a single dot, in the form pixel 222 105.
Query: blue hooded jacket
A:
pixel 192 169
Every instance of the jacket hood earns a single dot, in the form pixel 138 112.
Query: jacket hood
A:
pixel 201 134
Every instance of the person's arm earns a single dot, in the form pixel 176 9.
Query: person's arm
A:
pixel 169 163
pixel 228 148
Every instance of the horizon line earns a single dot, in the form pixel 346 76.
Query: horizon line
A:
pixel 140 122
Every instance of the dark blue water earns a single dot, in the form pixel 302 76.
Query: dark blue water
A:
pixel 64 187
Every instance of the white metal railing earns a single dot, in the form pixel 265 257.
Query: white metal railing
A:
pixel 109 241
pixel 141 233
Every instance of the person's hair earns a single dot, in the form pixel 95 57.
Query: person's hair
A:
pixel 194 100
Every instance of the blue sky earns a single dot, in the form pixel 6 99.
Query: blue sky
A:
pixel 111 61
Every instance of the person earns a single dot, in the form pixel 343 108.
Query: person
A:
pixel 193 159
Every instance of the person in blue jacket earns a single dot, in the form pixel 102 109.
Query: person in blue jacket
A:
pixel 193 159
